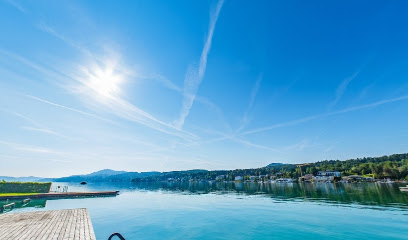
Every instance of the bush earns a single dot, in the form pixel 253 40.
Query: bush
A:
pixel 24 187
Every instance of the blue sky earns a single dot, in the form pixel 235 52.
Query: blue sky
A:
pixel 170 85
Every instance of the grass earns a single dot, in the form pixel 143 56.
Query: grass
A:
pixel 16 194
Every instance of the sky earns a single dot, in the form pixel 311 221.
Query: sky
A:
pixel 177 85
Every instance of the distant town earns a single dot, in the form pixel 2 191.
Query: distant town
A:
pixel 385 169
pixel 321 176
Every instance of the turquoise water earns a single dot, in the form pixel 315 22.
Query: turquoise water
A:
pixel 244 211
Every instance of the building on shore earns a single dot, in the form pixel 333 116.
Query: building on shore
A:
pixel 285 180
pixel 358 178
pixel 307 177
pixel 239 178
pixel 326 176
pixel 253 178
pixel 219 178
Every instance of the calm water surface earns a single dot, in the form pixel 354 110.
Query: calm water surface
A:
pixel 243 211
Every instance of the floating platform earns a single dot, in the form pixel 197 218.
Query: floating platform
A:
pixel 404 189
pixel 57 224
pixel 62 195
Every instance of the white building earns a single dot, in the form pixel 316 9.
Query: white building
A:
pixel 326 176
pixel 328 173
pixel 239 178
pixel 284 180
pixel 220 177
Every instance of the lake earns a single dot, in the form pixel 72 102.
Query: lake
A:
pixel 242 210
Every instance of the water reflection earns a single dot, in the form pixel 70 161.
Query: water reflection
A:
pixel 343 193
pixel 33 203
pixel 372 194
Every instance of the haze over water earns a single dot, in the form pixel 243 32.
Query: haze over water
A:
pixel 244 210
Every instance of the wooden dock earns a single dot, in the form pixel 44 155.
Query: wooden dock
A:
pixel 46 225
pixel 63 195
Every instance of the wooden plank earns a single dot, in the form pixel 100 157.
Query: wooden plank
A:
pixel 90 227
pixel 66 226
pixel 36 229
pixel 87 236
pixel 45 232
pixel 71 225
pixel 82 227
pixel 76 229
pixel 17 224
pixel 56 224
pixel 44 225
pixel 27 222
pixel 72 232
pixel 58 229
pixel 30 226
pixel 12 227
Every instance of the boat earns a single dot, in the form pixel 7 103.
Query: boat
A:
pixel 83 183
pixel 25 202
pixel 284 180
pixel 388 181
pixel 404 189
pixel 7 207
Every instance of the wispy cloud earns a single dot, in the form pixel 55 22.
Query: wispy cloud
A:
pixel 164 81
pixel 328 149
pixel 47 131
pixel 254 92
pixel 17 5
pixel 102 83
pixel 301 145
pixel 235 138
pixel 39 127
pixel 194 74
pixel 200 99
pixel 68 108
pixel 35 149
pixel 313 117
pixel 99 81
pixel 54 76
pixel 48 29
pixel 122 109
pixel 43 130
pixel 98 77
pixel 341 89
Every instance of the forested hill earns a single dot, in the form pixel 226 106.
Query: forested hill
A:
pixel 394 166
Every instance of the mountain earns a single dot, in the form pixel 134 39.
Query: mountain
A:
pixel 105 172
pixel 20 179
pixel 393 166
pixel 106 175
pixel 275 165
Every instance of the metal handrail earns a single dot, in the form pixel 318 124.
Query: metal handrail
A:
pixel 118 235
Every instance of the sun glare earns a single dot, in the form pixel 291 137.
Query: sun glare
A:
pixel 104 82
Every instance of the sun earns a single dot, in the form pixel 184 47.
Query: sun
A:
pixel 104 82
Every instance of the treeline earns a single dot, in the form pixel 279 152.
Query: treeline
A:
pixel 24 187
pixel 394 166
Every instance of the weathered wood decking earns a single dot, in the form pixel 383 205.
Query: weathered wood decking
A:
pixel 46 225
